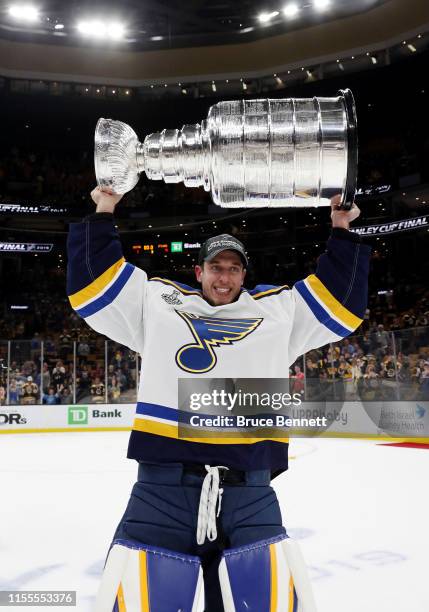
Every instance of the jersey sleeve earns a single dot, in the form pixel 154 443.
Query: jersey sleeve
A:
pixel 104 289
pixel 330 304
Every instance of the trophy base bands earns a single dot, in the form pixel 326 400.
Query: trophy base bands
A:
pixel 10 599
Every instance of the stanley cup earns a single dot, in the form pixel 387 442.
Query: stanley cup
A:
pixel 291 152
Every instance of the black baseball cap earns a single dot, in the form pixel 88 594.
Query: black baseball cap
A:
pixel 224 242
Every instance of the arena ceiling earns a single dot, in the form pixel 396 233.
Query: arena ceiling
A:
pixel 166 24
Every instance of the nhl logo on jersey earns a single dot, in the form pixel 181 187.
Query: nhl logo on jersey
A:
pixel 172 298
pixel 209 333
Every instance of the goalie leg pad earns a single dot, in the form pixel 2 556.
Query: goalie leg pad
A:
pixel 140 578
pixel 267 576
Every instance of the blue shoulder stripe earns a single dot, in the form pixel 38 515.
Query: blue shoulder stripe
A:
pixel 109 296
pixel 321 315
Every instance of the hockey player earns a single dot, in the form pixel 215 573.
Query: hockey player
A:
pixel 170 535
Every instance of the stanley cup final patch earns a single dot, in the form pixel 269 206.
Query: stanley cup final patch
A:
pixel 172 298
pixel 209 334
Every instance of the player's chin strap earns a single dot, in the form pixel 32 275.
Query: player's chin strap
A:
pixel 211 494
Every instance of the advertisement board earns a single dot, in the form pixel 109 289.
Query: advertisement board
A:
pixel 39 419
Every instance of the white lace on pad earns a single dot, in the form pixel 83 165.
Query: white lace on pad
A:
pixel 211 496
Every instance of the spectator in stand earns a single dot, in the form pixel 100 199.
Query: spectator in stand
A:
pixel 30 392
pixel 58 375
pixel 83 350
pixel 51 397
pixel 44 380
pixel 66 396
pixel 2 395
pixel 114 390
pixel 389 366
pixel 14 393
pixel 298 380
pixel 83 382
pixel 98 391
pixel 382 340
pixel 66 346
pixel 370 381
pixel 311 368
pixel 122 380
pixel 344 368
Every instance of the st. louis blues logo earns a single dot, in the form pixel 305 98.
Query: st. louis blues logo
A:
pixel 209 333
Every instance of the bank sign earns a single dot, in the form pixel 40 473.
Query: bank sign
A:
pixel 78 415
pixel 46 418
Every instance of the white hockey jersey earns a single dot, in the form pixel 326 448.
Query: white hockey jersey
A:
pixel 179 334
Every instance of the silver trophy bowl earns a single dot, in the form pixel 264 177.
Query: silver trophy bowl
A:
pixel 292 152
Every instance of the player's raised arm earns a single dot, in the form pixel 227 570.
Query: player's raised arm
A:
pixel 330 304
pixel 103 288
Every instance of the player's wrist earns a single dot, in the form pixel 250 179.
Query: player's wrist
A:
pixel 341 223
pixel 105 208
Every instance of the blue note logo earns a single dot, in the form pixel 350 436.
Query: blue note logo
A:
pixel 209 333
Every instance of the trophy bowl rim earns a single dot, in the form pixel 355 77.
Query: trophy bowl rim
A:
pixel 352 148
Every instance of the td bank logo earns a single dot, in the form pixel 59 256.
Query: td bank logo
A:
pixel 77 415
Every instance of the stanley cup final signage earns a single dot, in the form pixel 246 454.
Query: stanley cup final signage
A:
pixel 25 247
pixel 393 227
pixel 31 209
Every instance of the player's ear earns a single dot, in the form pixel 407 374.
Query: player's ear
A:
pixel 198 273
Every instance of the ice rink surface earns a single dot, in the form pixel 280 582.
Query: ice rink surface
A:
pixel 359 510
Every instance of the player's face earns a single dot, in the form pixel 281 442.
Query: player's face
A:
pixel 221 278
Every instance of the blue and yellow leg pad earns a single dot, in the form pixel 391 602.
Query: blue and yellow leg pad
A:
pixel 140 578
pixel 268 576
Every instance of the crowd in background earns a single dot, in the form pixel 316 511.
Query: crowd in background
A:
pixel 73 367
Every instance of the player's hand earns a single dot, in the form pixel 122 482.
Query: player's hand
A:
pixel 105 199
pixel 342 218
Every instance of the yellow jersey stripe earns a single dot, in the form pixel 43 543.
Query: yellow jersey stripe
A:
pixel 270 291
pixel 327 299
pixel 273 566
pixel 121 600
pixel 291 594
pixel 97 286
pixel 172 431
pixel 144 588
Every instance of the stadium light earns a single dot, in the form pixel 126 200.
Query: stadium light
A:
pixel 96 28
pixel 291 10
pixel 24 12
pixel 116 30
pixel 266 17
pixel 321 5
